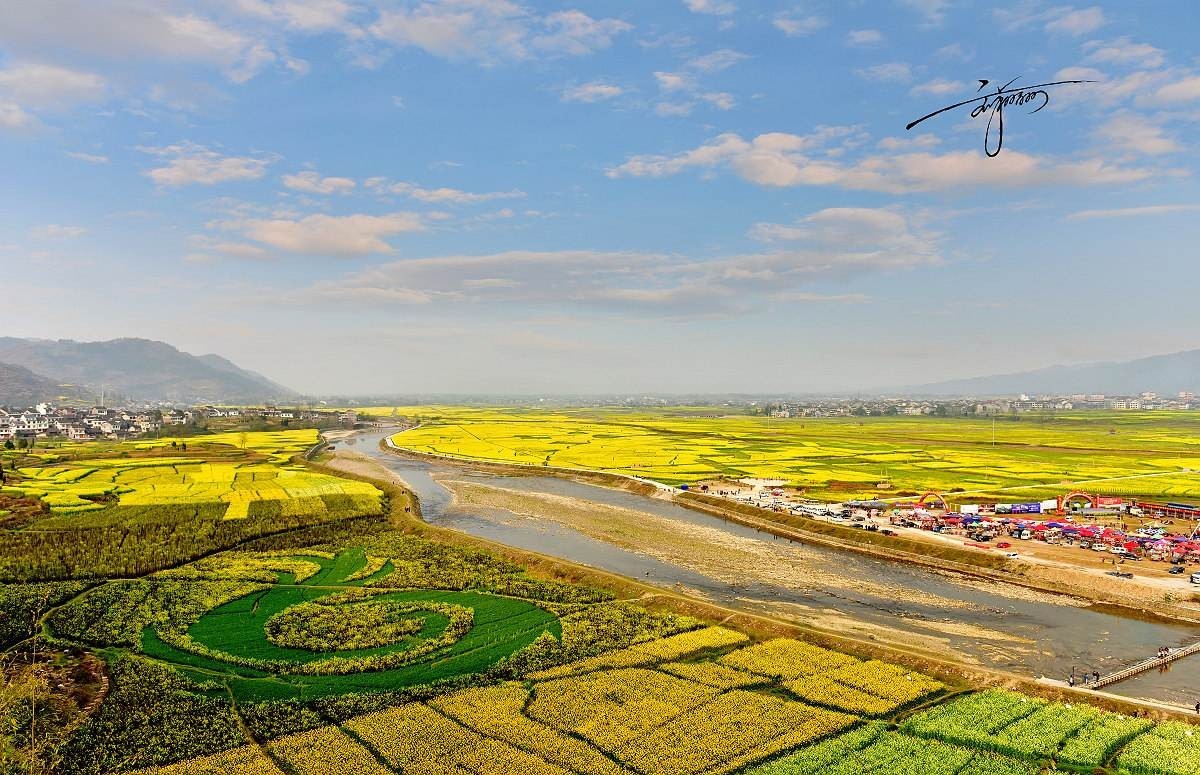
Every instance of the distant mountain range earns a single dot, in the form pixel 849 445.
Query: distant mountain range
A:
pixel 140 369
pixel 1163 374
pixel 21 387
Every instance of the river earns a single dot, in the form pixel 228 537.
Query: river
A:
pixel 996 626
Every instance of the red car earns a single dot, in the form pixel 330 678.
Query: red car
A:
pixel 1003 545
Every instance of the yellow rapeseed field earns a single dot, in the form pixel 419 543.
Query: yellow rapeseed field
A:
pixel 1151 454
pixel 246 472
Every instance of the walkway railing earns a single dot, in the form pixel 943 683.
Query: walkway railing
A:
pixel 1143 666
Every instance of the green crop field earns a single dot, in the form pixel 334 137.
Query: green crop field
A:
pixel 80 510
pixel 465 631
pixel 1151 454
pixel 345 644
pixel 469 664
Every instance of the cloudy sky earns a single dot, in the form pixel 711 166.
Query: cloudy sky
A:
pixel 680 195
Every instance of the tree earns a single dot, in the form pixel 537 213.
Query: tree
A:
pixel 9 444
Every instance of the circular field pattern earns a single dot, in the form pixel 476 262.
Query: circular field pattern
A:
pixel 325 626
pixel 331 635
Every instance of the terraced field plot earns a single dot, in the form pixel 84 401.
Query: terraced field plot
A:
pixel 1150 454
pixel 601 720
pixel 242 473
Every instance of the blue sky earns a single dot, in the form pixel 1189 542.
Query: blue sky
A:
pixel 699 195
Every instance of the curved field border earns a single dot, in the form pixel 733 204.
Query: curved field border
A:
pixel 502 625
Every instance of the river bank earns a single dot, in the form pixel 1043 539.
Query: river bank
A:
pixel 760 618
pixel 1148 598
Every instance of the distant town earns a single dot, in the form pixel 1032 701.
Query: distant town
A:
pixel 72 423
pixel 47 421
pixel 1143 402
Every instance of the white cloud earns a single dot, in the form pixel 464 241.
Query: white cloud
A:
pixel 933 11
pixel 674 109
pixel 132 29
pixel 329 235
pixel 909 143
pixel 596 91
pixel 798 26
pixel 1186 89
pixel 40 85
pixel 830 245
pixel 1134 212
pixel 307 16
pixel 719 100
pixel 721 59
pixel 90 158
pixel 312 183
pixel 189 163
pixel 864 37
pixel 711 7
pixel 786 160
pixel 1123 51
pixel 574 33
pixel 493 30
pixel 239 250
pixel 58 231
pixel 1078 22
pixel 438 195
pixel 805 297
pixel 1062 19
pixel 939 87
pixel 892 72
pixel 954 51
pixel 673 81
pixel 13 117
pixel 1129 131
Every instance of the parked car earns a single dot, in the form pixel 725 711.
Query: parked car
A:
pixel 887 532
pixel 1011 554
pixel 1175 570
pixel 1004 545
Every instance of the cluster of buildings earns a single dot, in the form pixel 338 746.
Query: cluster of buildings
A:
pixel 854 407
pixel 117 424
pixel 1143 402
pixel 85 424
pixel 277 414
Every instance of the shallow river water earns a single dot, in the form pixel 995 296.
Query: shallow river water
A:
pixel 1032 635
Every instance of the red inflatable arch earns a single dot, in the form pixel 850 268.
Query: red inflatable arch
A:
pixel 935 496
pixel 1063 501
